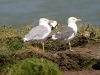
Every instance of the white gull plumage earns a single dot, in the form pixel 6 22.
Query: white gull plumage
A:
pixel 40 32
pixel 67 33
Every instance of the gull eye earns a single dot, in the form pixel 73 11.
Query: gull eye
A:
pixel 45 20
pixel 73 19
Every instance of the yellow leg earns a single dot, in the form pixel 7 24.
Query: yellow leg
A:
pixel 70 46
pixel 43 46
pixel 36 47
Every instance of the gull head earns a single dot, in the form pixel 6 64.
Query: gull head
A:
pixel 43 21
pixel 53 24
pixel 73 20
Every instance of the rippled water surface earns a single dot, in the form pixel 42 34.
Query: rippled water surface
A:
pixel 29 11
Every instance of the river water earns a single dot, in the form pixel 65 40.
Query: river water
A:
pixel 25 12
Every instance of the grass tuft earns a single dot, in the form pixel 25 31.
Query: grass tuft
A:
pixel 34 66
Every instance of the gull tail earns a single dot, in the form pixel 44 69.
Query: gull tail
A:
pixel 25 39
pixel 49 37
pixel 54 37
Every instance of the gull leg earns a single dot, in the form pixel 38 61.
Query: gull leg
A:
pixel 43 46
pixel 36 47
pixel 70 46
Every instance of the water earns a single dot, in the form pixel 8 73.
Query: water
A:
pixel 25 12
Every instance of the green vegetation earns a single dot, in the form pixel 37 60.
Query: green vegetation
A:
pixel 34 66
pixel 10 38
pixel 13 50
pixel 11 45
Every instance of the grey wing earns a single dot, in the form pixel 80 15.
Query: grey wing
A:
pixel 65 33
pixel 37 32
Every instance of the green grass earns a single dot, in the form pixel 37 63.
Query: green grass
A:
pixel 10 45
pixel 33 66
pixel 10 38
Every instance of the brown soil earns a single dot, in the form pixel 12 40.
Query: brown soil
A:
pixel 81 58
pixel 84 72
pixel 78 62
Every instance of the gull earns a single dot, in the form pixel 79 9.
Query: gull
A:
pixel 40 32
pixel 67 33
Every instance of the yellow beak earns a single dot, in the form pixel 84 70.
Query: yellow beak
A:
pixel 79 19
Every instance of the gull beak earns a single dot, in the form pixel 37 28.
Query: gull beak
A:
pixel 79 19
pixel 50 21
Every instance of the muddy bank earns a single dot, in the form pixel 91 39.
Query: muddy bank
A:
pixel 84 72
pixel 86 46
pixel 80 59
